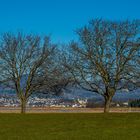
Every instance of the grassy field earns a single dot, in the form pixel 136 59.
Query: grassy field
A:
pixel 70 126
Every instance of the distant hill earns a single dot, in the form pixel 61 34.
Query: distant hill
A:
pixel 74 93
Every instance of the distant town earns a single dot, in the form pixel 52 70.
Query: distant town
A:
pixel 8 100
pixel 35 101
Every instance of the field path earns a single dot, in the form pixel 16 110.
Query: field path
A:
pixel 66 110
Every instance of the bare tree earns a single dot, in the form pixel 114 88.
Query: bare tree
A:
pixel 26 64
pixel 61 77
pixel 107 57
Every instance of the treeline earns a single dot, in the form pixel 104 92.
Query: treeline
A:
pixel 134 103
pixel 104 60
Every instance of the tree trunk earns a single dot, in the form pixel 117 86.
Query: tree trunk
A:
pixel 23 106
pixel 107 104
pixel 110 92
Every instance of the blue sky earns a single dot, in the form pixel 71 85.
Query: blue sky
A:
pixel 61 18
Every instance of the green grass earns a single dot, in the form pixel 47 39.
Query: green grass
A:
pixel 70 127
